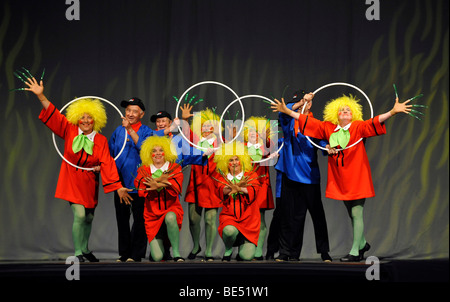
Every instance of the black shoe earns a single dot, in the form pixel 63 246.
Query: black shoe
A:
pixel 80 258
pixel 270 256
pixel 326 257
pixel 178 259
pixel 363 250
pixel 209 258
pixel 351 258
pixel 90 257
pixel 260 258
pixel 192 255
pixel 226 258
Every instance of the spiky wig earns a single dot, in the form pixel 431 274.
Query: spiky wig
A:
pixel 162 141
pixel 201 117
pixel 260 124
pixel 227 151
pixel 331 111
pixel 93 107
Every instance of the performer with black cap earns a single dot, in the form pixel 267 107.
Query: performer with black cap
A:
pixel 132 243
pixel 300 186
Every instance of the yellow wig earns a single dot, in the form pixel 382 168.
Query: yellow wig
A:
pixel 227 151
pixel 162 141
pixel 93 107
pixel 260 124
pixel 201 117
pixel 331 111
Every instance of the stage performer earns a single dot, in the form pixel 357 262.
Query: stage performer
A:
pixel 187 155
pixel 85 147
pixel 300 187
pixel 349 175
pixel 200 192
pixel 237 186
pixel 160 181
pixel 257 134
pixel 132 242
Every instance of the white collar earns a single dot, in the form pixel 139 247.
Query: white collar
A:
pixel 239 176
pixel 345 127
pixel 257 146
pixel 209 140
pixel 90 136
pixel 163 168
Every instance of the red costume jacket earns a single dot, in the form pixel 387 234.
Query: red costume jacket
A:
pixel 349 175
pixel 265 196
pixel 242 211
pixel 77 185
pixel 158 204
pixel 200 189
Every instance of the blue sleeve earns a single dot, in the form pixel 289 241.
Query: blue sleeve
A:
pixel 187 155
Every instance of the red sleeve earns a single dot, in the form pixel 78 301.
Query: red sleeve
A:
pixel 54 120
pixel 176 181
pixel 372 127
pixel 312 127
pixel 139 182
pixel 252 187
pixel 110 176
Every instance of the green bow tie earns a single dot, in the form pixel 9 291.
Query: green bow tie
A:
pixel 82 142
pixel 157 174
pixel 235 180
pixel 205 144
pixel 340 138
pixel 255 154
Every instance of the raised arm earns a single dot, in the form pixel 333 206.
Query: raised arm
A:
pixel 38 90
pixel 398 108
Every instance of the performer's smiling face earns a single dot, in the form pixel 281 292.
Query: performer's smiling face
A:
pixel 345 115
pixel 134 114
pixel 252 136
pixel 158 155
pixel 86 123
pixel 234 165
pixel 207 128
pixel 162 123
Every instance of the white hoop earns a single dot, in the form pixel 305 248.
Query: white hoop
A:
pixel 336 84
pixel 237 134
pixel 88 97
pixel 216 83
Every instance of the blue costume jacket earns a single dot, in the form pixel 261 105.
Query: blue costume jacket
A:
pixel 298 157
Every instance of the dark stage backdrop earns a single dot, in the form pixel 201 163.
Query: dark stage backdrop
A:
pixel 155 50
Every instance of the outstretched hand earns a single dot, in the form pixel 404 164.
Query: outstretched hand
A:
pixel 124 196
pixel 279 106
pixel 401 107
pixel 34 86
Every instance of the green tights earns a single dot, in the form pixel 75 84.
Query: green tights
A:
pixel 246 250
pixel 81 228
pixel 173 232
pixel 195 217
pixel 355 211
pixel 262 235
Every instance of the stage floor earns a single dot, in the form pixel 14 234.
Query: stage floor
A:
pixel 217 280
pixel 262 272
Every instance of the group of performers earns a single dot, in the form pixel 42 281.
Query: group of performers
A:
pixel 226 179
